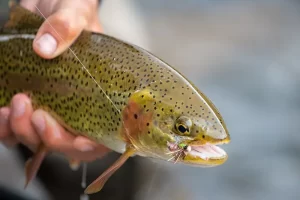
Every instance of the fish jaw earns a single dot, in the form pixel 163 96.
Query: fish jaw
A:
pixel 199 155
pixel 205 155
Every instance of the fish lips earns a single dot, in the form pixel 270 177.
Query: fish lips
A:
pixel 204 155
pixel 200 154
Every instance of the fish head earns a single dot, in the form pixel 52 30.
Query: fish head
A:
pixel 193 140
pixel 179 123
pixel 189 135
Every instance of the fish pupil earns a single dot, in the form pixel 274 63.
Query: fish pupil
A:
pixel 182 129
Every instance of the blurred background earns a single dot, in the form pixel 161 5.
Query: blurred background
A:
pixel 244 56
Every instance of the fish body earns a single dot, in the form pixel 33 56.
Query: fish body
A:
pixel 114 93
pixel 64 88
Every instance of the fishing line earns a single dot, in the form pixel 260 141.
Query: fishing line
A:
pixel 152 180
pixel 79 61
pixel 84 174
pixel 83 181
pixel 84 196
pixel 84 68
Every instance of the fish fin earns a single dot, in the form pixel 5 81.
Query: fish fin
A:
pixel 20 17
pixel 98 184
pixel 33 164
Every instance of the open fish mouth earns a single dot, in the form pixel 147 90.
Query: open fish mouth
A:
pixel 204 155
pixel 207 151
pixel 200 155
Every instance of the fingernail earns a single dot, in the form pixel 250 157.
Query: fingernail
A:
pixel 86 148
pixel 47 44
pixel 4 114
pixel 39 123
pixel 18 107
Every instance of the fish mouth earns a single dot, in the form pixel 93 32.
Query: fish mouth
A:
pixel 206 154
pixel 202 155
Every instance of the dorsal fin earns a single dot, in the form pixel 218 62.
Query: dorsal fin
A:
pixel 21 18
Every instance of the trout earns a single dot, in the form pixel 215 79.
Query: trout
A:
pixel 114 93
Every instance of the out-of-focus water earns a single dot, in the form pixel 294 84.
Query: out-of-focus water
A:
pixel 245 56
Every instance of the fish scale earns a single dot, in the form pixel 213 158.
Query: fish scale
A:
pixel 114 93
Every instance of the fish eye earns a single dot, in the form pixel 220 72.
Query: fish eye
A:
pixel 183 125
pixel 182 129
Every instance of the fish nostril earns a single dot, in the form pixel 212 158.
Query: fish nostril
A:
pixel 205 128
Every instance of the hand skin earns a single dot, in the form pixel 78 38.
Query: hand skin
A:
pixel 19 123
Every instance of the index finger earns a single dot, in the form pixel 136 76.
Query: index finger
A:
pixel 62 28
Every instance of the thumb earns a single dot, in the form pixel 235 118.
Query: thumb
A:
pixel 58 32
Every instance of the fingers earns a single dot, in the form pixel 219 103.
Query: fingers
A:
pixel 10 141
pixel 83 144
pixel 29 4
pixel 57 33
pixel 51 133
pixel 57 139
pixel 6 135
pixel 95 27
pixel 62 28
pixel 5 131
pixel 20 123
pixel 21 111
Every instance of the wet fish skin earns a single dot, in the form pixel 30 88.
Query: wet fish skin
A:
pixel 114 93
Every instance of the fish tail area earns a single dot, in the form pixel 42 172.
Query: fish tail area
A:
pixel 33 164
pixel 98 184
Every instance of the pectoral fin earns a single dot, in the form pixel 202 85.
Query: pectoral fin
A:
pixel 98 184
pixel 33 164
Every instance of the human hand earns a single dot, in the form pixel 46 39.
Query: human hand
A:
pixel 19 123
pixel 65 21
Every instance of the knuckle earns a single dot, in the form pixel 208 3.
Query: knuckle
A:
pixel 66 28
